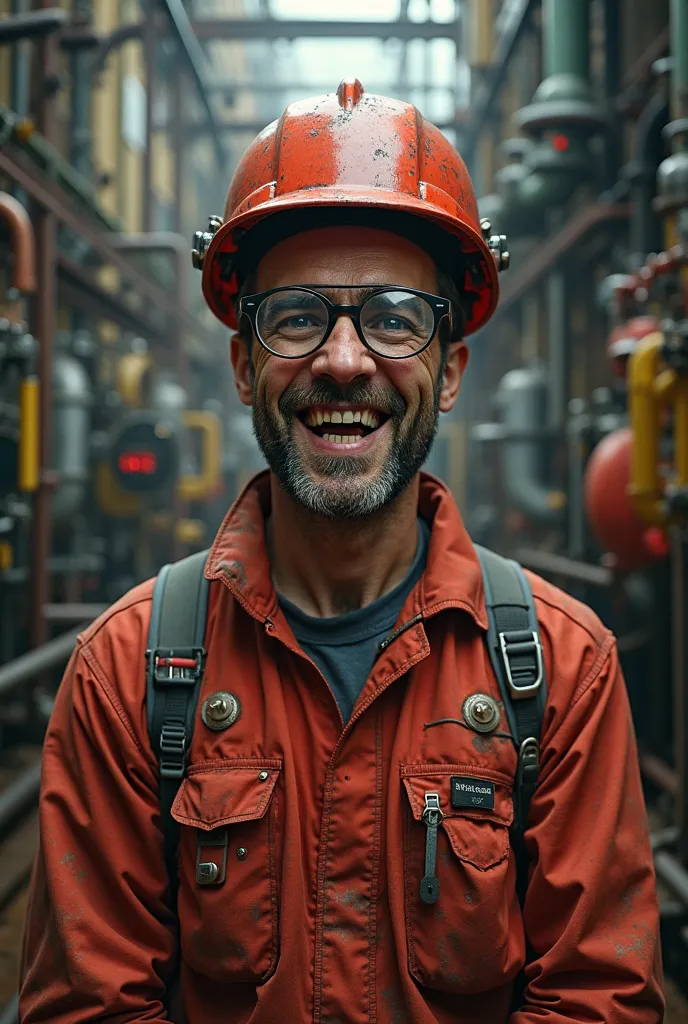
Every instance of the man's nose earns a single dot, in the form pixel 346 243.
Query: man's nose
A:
pixel 344 356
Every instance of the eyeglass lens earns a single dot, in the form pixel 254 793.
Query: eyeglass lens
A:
pixel 395 323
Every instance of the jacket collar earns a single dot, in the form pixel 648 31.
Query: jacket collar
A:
pixel 452 577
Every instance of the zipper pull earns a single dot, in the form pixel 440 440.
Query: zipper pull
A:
pixel 432 816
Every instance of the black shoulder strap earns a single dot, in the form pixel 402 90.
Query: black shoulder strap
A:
pixel 175 662
pixel 513 643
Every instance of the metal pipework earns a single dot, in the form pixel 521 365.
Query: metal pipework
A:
pixel 672 174
pixel 652 387
pixel 561 117
pixel 521 399
pixel 178 247
pixel 22 241
pixel 28 666
pixel 32 25
pixel 72 401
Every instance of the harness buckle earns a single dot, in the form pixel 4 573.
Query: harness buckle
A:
pixel 521 653
pixel 172 750
pixel 176 666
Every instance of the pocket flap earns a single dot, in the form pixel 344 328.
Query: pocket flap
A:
pixel 217 793
pixel 420 779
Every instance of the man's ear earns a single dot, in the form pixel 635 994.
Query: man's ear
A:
pixel 242 366
pixel 453 375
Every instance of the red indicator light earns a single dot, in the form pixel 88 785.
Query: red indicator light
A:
pixel 145 463
pixel 560 143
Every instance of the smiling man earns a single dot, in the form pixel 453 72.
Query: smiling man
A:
pixel 342 838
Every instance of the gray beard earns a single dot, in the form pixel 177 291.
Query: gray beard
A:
pixel 344 493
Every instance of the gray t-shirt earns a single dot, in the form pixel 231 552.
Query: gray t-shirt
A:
pixel 344 646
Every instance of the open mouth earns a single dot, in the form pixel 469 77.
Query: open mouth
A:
pixel 342 426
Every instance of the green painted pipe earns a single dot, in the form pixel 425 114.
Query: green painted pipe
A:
pixel 679 53
pixel 566 37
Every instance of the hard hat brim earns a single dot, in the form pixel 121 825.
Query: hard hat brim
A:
pixel 220 282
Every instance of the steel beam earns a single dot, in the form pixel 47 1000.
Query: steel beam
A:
pixel 484 101
pixel 32 25
pixel 39 187
pixel 213 30
pixel 196 60
pixel 538 266
pixel 79 289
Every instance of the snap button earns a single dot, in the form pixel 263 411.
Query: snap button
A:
pixel 481 712
pixel 242 853
pixel 220 710
pixel 263 776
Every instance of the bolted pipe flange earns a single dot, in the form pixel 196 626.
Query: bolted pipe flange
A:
pixel 202 240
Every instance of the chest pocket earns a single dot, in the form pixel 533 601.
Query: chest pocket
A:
pixel 230 860
pixel 471 939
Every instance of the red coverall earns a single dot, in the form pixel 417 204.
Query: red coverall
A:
pixel 320 917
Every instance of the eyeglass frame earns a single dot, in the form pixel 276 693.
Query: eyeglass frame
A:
pixel 335 310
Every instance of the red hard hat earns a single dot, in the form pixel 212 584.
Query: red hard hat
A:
pixel 348 150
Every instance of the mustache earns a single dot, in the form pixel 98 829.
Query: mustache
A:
pixel 300 395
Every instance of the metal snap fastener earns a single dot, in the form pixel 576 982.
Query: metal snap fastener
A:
pixel 207 873
pixel 242 853
pixel 263 776
pixel 481 712
pixel 220 710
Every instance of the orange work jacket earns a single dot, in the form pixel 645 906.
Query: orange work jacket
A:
pixel 319 918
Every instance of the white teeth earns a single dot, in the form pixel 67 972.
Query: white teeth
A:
pixel 336 417
pixel 326 417
pixel 348 416
pixel 357 417
pixel 320 417
pixel 341 438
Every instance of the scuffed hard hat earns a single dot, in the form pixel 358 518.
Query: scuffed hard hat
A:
pixel 356 159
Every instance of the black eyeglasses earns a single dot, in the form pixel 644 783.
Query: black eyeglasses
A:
pixel 394 322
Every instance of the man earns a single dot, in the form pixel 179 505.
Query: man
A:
pixel 346 619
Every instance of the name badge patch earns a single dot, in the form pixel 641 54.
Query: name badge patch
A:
pixel 469 792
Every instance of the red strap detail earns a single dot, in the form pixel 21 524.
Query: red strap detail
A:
pixel 177 662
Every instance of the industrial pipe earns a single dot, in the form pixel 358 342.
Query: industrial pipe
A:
pixel 672 174
pixel 521 398
pixel 72 401
pixel 560 119
pixel 29 434
pixel 23 133
pixel 32 25
pixel 26 667
pixel 650 390
pixel 178 247
pixel 16 797
pixel 22 242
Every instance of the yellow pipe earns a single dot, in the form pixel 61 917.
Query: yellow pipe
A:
pixel 681 432
pixel 29 434
pixel 645 486
pixel 664 386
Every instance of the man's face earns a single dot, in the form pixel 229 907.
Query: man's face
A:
pixel 395 405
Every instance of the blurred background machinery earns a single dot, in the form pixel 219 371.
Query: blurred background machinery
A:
pixel 122 443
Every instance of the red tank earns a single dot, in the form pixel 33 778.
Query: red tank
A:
pixel 613 520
